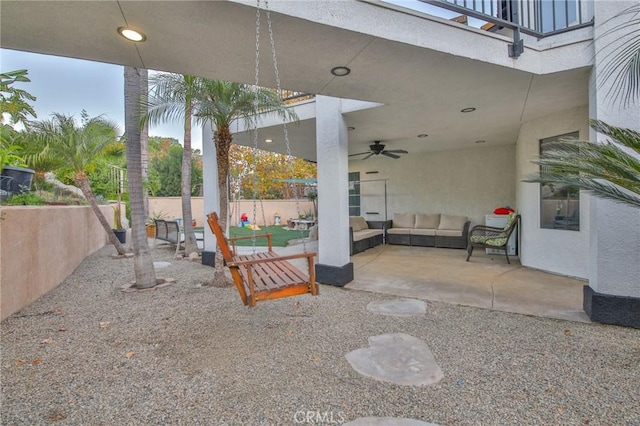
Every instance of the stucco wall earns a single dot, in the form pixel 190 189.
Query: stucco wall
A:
pixel 615 249
pixel 555 250
pixel 172 208
pixel 615 245
pixel 469 182
pixel 41 246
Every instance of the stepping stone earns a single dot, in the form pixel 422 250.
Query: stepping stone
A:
pixel 160 265
pixel 398 307
pixel 397 358
pixel 387 421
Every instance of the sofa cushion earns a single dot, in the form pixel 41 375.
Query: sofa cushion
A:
pixel 368 233
pixel 449 232
pixel 404 220
pixel 428 232
pixel 427 221
pixel 452 222
pixel 399 231
pixel 358 223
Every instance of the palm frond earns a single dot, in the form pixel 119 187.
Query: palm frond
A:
pixel 609 169
pixel 61 138
pixel 225 102
pixel 620 58
pixel 172 98
pixel 627 137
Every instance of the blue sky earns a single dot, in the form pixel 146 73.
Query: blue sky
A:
pixel 68 86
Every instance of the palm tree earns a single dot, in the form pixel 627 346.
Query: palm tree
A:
pixel 142 262
pixel 223 103
pixel 609 170
pixel 79 146
pixel 172 98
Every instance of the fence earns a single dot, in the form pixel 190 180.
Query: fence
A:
pixel 171 208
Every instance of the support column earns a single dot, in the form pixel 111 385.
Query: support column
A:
pixel 334 264
pixel 210 191
pixel 613 293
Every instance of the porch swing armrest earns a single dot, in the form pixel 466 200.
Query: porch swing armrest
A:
pixel 271 259
pixel 250 237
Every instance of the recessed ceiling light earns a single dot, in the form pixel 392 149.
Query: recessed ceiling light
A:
pixel 471 109
pixel 268 140
pixel 480 141
pixel 340 71
pixel 131 34
pixel 350 128
pixel 423 135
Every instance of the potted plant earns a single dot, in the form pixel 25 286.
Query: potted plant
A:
pixel 120 232
pixel 151 223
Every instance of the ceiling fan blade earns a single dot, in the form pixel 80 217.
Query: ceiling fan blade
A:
pixel 360 153
pixel 397 151
pixel 370 154
pixel 388 154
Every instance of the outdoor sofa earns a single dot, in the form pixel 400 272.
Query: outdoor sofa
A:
pixel 365 234
pixel 428 230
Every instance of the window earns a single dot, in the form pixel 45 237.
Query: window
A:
pixel 354 194
pixel 559 204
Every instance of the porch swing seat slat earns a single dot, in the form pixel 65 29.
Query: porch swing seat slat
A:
pixel 264 276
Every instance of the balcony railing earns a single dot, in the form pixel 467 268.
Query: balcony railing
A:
pixel 539 18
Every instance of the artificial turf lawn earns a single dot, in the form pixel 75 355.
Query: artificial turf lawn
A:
pixel 279 235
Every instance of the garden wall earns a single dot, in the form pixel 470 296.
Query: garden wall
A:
pixel 42 245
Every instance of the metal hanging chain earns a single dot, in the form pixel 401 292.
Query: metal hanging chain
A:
pixel 284 124
pixel 254 130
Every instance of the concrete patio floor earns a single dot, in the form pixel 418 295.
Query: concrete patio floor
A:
pixel 486 281
pixel 443 275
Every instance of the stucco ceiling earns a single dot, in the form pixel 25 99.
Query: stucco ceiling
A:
pixel 422 90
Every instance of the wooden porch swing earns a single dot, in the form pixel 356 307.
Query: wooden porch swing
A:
pixel 264 276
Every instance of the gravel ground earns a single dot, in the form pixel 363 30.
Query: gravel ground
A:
pixel 89 354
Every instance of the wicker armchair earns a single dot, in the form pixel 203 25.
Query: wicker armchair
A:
pixel 489 237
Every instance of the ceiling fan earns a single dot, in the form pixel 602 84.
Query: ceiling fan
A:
pixel 377 148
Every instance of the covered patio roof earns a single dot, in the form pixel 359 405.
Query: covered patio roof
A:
pixel 422 86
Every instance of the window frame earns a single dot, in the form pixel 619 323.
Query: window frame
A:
pixel 566 199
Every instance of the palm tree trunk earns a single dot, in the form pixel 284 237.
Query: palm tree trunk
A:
pixel 222 138
pixel 190 242
pixel 83 183
pixel 142 263
pixel 144 137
